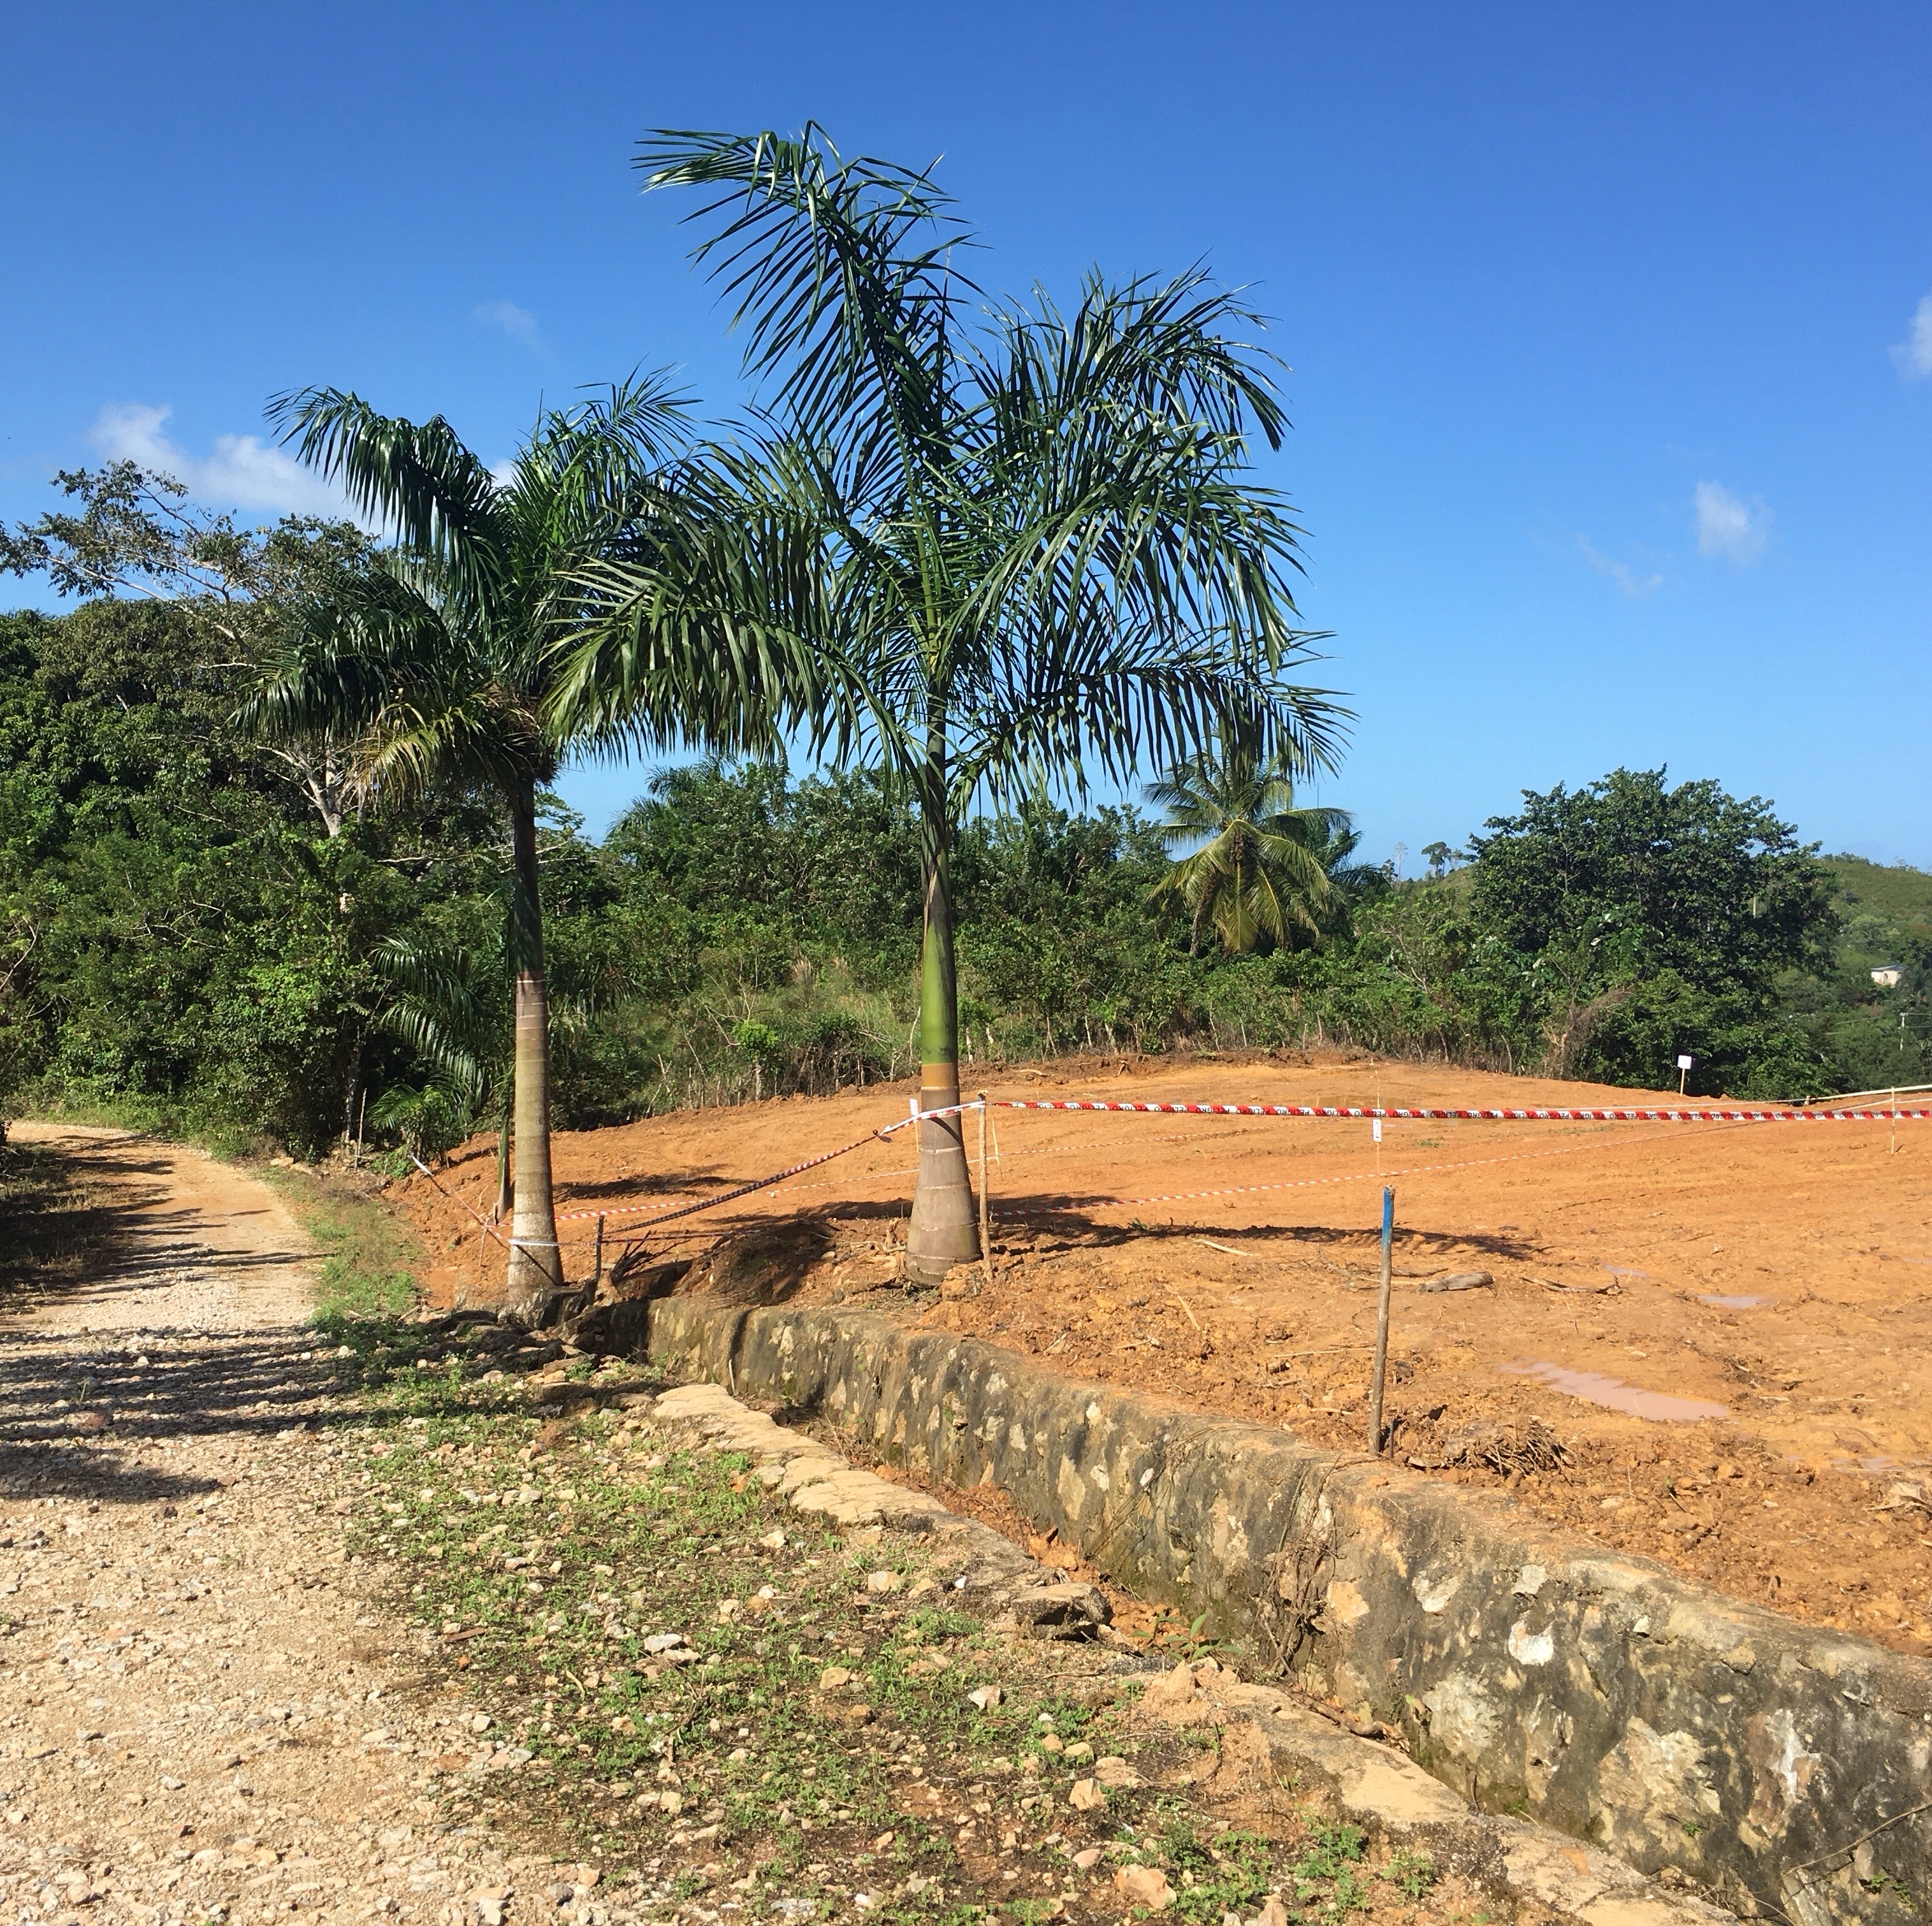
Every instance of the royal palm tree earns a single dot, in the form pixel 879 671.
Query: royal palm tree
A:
pixel 440 666
pixel 1261 867
pixel 1022 547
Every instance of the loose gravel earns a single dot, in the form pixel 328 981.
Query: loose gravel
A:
pixel 202 1716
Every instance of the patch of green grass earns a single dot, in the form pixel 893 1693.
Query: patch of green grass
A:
pixel 371 1258
pixel 1233 1873
pixel 806 1736
pixel 1335 1849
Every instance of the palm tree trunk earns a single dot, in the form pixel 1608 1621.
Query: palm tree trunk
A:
pixel 945 1226
pixel 504 1190
pixel 535 1266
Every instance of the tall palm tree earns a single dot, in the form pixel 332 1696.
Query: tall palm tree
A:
pixel 439 665
pixel 1021 547
pixel 1261 871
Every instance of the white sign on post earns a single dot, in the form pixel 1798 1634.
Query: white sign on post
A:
pixel 1684 1062
pixel 1375 1125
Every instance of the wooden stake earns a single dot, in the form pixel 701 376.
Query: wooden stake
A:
pixel 985 1213
pixel 597 1257
pixel 1380 1369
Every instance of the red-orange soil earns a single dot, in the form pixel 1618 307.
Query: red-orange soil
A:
pixel 1231 1264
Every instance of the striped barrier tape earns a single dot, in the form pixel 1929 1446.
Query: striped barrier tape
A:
pixel 650 1221
pixel 1368 1176
pixel 1594 1144
pixel 1478 1116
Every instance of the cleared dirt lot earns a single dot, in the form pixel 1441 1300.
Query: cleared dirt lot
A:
pixel 1781 1274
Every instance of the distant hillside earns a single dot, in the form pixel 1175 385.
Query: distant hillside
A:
pixel 1884 907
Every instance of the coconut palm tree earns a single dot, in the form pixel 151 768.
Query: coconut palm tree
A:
pixel 1260 872
pixel 1022 547
pixel 439 665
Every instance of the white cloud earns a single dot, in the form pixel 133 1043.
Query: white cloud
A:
pixel 519 323
pixel 1634 585
pixel 244 471
pixel 1727 525
pixel 1913 356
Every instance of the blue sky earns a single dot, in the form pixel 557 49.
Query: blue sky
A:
pixel 1610 326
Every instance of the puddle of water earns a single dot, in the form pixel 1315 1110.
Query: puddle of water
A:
pixel 1623 1270
pixel 1741 1302
pixel 1596 1387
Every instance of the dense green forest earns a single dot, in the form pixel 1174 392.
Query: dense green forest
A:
pixel 195 931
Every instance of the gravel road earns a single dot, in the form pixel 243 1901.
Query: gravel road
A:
pixel 200 1718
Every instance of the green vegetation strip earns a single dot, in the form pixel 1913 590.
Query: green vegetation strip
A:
pixel 718 1698
pixel 370 1258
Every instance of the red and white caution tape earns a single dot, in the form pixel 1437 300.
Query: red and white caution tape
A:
pixel 648 1222
pixel 1371 1176
pixel 1478 1116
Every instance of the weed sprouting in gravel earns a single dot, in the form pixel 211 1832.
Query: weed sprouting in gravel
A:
pixel 1412 1871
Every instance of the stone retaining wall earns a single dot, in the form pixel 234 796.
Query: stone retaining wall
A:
pixel 1774 1765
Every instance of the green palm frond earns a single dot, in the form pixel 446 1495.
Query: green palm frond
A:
pixel 417 481
pixel 447 1005
pixel 1037 532
pixel 841 272
pixel 442 662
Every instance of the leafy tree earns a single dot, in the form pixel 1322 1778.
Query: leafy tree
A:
pixel 189 939
pixel 439 664
pixel 135 536
pixel 1020 545
pixel 1257 877
pixel 1437 854
pixel 1658 920
pixel 444 1000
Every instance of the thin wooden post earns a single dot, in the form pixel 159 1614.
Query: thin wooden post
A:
pixel 597 1256
pixel 1382 1325
pixel 985 1213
